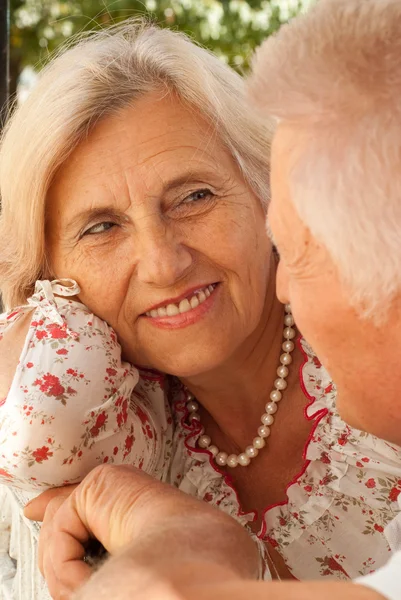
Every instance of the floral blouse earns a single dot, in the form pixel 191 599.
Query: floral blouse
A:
pixel 73 403
pixel 331 526
pixel 332 523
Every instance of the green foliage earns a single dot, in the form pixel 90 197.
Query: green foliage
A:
pixel 231 28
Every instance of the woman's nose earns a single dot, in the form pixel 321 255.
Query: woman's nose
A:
pixel 282 284
pixel 163 259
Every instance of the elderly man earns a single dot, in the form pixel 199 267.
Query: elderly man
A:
pixel 333 81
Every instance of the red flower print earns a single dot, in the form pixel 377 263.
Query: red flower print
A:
pixel 325 458
pixel 115 450
pixel 334 565
pixel 282 521
pixel 101 420
pixel 41 454
pixel 111 372
pixel 371 483
pixel 208 497
pixel 106 459
pixel 394 493
pixel 329 388
pixel 29 365
pixel 365 459
pixel 50 385
pixel 128 443
pixel 308 488
pixel 57 332
pixel 41 334
pixel 272 542
pixel 378 528
pixel 359 464
pixel 72 372
pixel 143 417
pixel 62 351
pixel 317 362
pixel 94 432
pixel 79 454
pixel 4 473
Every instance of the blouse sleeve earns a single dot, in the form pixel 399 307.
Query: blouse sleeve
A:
pixel 73 404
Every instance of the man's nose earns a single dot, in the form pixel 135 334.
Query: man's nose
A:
pixel 163 259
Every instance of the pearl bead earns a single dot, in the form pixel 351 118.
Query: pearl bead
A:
pixel 259 442
pixel 289 333
pixel 204 441
pixel 251 451
pixel 232 461
pixel 267 419
pixel 280 384
pixel 221 458
pixel 276 395
pixel 243 460
pixel 192 406
pixel 271 408
pixel 213 450
pixel 286 359
pixel 263 431
pixel 282 371
pixel 289 320
pixel 288 346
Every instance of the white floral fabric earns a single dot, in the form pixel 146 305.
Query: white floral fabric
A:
pixel 72 404
pixel 332 523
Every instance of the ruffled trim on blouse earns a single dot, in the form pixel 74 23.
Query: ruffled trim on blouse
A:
pixel 341 470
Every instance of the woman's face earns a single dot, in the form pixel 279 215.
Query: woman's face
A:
pixel 153 219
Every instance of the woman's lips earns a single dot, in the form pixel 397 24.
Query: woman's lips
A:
pixel 186 312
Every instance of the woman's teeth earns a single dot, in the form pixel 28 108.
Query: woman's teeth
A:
pixel 171 310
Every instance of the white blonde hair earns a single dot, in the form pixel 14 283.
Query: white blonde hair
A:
pixel 98 76
pixel 337 72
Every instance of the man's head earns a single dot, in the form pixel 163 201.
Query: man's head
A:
pixel 333 80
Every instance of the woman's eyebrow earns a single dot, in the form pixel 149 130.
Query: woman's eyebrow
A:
pixel 185 177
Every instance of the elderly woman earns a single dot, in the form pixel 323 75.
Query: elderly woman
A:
pixel 139 170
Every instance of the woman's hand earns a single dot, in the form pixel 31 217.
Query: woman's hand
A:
pixel 121 506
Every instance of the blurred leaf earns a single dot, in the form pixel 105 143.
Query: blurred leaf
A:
pixel 231 28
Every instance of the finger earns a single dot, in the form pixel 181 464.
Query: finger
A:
pixel 64 568
pixel 62 548
pixel 57 590
pixel 47 528
pixel 35 509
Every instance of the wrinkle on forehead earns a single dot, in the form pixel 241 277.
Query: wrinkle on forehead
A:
pixel 124 143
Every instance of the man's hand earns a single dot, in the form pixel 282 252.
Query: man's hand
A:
pixel 121 506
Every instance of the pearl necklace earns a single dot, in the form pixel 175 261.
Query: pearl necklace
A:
pixel 222 458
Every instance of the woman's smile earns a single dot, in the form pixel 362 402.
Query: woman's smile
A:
pixel 184 310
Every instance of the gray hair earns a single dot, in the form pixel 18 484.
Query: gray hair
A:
pixel 337 73
pixel 98 76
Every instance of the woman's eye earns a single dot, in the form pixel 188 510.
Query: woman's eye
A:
pixel 197 196
pixel 99 228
